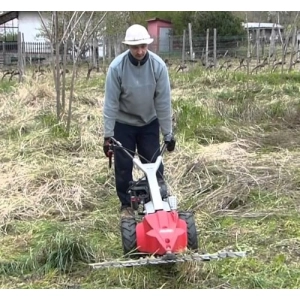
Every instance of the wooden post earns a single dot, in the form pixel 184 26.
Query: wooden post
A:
pixel 248 52
pixel 95 44
pixel 293 48
pixel 257 45
pixel 96 53
pixel 190 41
pixel 298 46
pixel 63 90
pixel 207 43
pixel 295 45
pixel 283 47
pixel 20 64
pixel 91 52
pixel 183 47
pixel 215 48
pixel 272 43
pixel 263 46
pixel 104 50
pixel 23 53
pixel 3 50
pixel 109 48
pixel 263 42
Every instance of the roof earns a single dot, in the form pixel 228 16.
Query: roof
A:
pixel 8 16
pixel 262 25
pixel 158 19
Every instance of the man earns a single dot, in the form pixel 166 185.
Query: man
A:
pixel 137 107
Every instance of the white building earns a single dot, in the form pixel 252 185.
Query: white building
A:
pixel 30 25
pixel 26 22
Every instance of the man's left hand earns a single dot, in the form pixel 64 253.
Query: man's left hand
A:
pixel 170 142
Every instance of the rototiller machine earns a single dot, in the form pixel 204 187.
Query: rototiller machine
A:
pixel 158 233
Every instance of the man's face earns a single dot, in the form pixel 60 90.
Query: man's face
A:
pixel 139 51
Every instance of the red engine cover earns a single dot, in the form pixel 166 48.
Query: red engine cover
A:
pixel 161 232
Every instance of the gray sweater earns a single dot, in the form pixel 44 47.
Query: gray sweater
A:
pixel 137 94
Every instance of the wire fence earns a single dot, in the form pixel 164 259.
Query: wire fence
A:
pixel 174 45
pixel 181 47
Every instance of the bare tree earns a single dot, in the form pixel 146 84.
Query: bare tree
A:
pixel 63 29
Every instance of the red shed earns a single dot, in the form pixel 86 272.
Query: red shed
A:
pixel 161 31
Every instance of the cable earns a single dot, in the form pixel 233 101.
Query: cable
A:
pixel 140 156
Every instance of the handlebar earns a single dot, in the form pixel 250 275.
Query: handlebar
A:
pixel 116 142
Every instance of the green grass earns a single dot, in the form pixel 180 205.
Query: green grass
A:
pixel 7 86
pixel 195 121
pixel 236 166
pixel 49 121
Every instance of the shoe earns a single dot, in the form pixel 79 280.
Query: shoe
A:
pixel 127 212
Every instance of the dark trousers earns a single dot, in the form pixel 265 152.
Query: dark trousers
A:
pixel 143 139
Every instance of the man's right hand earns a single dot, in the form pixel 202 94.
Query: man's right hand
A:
pixel 106 147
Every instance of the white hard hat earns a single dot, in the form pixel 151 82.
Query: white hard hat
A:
pixel 137 35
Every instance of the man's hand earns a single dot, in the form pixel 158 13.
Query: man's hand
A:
pixel 106 147
pixel 170 142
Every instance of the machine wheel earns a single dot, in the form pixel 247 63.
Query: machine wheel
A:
pixel 128 233
pixel 188 217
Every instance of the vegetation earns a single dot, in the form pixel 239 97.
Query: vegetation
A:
pixel 226 23
pixel 236 166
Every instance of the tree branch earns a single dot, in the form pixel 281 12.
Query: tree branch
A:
pixel 73 28
pixel 93 30
pixel 46 29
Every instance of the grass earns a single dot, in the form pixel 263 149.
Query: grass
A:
pixel 236 166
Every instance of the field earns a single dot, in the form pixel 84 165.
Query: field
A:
pixel 236 165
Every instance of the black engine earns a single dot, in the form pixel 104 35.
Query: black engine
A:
pixel 140 192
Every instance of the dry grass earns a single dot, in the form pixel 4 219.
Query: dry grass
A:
pixel 236 166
